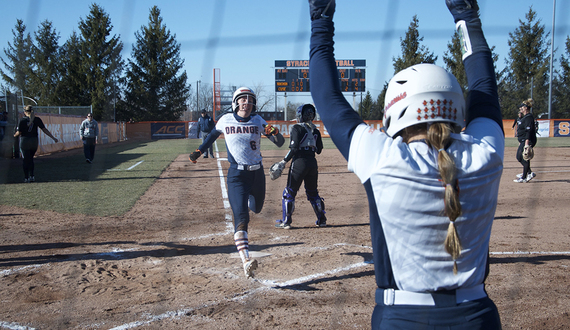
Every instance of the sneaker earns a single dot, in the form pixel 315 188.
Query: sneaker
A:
pixel 520 180
pixel 529 177
pixel 88 160
pixel 32 179
pixel 281 224
pixel 249 267
pixel 519 175
pixel 321 222
pixel 212 156
pixel 26 180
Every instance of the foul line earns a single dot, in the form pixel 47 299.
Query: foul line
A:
pixel 128 169
pixel 228 218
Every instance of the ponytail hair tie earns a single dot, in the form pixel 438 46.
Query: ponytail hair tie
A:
pixel 440 150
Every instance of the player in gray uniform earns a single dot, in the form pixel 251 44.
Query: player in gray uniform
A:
pixel 432 188
pixel 242 130
pixel 305 141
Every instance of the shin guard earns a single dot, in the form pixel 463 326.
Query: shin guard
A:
pixel 288 205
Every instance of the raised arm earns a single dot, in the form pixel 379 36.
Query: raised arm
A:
pixel 336 113
pixel 483 99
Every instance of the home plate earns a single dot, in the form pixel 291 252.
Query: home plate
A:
pixel 253 254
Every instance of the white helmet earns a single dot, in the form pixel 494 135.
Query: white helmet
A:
pixel 241 92
pixel 423 93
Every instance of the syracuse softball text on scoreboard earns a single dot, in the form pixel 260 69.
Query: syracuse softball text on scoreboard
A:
pixel 293 76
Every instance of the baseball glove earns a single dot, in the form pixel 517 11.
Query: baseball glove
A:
pixel 528 153
pixel 194 156
pixel 276 169
pixel 271 130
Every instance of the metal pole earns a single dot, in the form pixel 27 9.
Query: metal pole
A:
pixel 285 103
pixel 551 61
pixel 197 94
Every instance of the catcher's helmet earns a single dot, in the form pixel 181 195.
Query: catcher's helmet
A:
pixel 244 91
pixel 423 93
pixel 305 113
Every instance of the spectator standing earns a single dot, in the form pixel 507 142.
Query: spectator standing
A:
pixel 205 126
pixel 89 130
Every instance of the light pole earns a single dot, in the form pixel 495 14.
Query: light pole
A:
pixel 551 60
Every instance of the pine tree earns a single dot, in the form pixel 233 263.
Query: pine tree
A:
pixel 45 73
pixel 527 68
pixel 412 53
pixel 18 63
pixel 365 107
pixel 101 61
pixel 561 108
pixel 72 90
pixel 412 50
pixel 156 87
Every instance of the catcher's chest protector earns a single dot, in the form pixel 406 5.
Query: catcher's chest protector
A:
pixel 308 140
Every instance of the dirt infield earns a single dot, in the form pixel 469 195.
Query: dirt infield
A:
pixel 170 262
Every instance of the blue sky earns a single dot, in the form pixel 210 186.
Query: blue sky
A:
pixel 244 38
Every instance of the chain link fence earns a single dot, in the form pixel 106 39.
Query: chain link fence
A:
pixel 61 110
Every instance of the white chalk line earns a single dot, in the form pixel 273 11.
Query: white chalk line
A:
pixel 128 169
pixel 14 326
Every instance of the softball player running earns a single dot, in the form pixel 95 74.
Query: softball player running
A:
pixel 305 142
pixel 246 179
pixel 432 190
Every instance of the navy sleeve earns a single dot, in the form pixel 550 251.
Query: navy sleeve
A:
pixel 336 113
pixel 209 141
pixel 483 98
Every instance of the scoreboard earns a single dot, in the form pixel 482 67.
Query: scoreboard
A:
pixel 288 78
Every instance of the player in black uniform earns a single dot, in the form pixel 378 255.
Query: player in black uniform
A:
pixel 526 135
pixel 27 130
pixel 305 142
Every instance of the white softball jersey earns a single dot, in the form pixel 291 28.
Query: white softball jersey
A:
pixel 243 138
pixel 410 202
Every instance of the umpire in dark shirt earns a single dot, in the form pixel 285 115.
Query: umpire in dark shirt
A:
pixel 206 125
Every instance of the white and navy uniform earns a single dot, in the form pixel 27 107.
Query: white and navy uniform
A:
pixel 246 178
pixel 416 285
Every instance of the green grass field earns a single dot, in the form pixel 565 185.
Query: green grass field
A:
pixel 119 175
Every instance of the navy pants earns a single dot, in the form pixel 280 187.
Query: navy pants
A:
pixel 246 191
pixel 478 314
pixel 89 148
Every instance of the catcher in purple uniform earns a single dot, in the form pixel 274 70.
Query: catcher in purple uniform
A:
pixel 305 142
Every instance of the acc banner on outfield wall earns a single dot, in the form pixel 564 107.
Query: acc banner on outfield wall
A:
pixel 561 128
pixel 173 130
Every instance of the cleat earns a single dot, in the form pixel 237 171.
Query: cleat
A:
pixel 281 224
pixel 529 177
pixel 249 267
pixel 26 180
pixel 322 222
pixel 32 179
pixel 519 175
pixel 88 160
pixel 520 180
